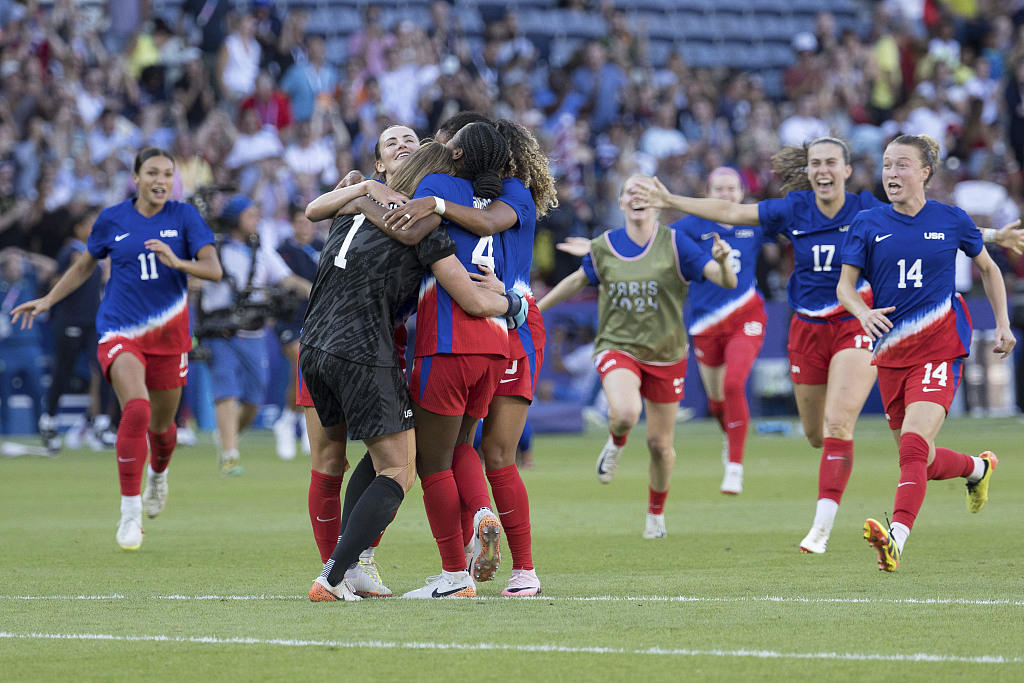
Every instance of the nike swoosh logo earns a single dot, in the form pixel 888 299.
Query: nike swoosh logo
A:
pixel 879 238
pixel 507 380
pixel 798 232
pixel 927 389
pixel 183 373
pixel 120 459
pixel 834 457
pixel 905 483
pixel 734 425
pixel 445 594
pixel 120 237
pixel 319 519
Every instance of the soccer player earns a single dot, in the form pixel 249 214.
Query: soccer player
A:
pixel 642 271
pixel 512 218
pixel 349 354
pixel 143 323
pixel 921 328
pixel 727 325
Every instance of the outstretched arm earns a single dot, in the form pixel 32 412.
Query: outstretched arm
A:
pixel 374 212
pixel 73 277
pixel 563 290
pixel 651 192
pixel 332 204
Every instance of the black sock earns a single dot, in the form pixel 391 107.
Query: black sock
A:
pixel 370 517
pixel 362 474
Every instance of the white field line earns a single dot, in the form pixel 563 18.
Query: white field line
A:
pixel 558 649
pixel 543 598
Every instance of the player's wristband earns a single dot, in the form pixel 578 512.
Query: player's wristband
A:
pixel 439 207
pixel 989 235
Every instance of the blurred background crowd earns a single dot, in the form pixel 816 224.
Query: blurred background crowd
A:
pixel 278 99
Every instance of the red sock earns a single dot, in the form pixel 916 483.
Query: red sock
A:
pixel 513 507
pixel 913 479
pixel 620 441
pixel 441 502
pixel 834 469
pixel 656 501
pixel 736 418
pixel 324 504
pixel 949 464
pixel 131 445
pixel 161 447
pixel 472 484
pixel 716 409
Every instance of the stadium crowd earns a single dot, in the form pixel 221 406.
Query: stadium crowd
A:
pixel 246 98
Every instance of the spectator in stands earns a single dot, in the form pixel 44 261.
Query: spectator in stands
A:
pixel 805 76
pixel 238 61
pixel 599 82
pixel 310 82
pixel 272 107
pixel 253 142
pixel 372 42
pixel 804 124
pixel 307 156
pixel 663 138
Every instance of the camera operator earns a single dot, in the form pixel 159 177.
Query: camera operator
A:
pixel 232 326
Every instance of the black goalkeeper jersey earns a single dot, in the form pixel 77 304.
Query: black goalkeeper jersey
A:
pixel 363 279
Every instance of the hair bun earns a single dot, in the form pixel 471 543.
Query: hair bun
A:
pixel 487 185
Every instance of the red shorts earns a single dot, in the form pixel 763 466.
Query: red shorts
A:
pixel 456 384
pixel 935 382
pixel 658 383
pixel 302 397
pixel 710 348
pixel 812 345
pixel 520 377
pixel 162 372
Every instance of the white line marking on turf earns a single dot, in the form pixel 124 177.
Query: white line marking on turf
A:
pixel 543 598
pixel 562 649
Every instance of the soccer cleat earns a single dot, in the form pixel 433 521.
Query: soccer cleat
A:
pixel 229 464
pixel 732 484
pixel 608 461
pixel 523 584
pixel 365 582
pixel 977 491
pixel 655 527
pixel 186 437
pixel 446 585
pixel 321 591
pixel 154 496
pixel 129 531
pixel 486 545
pixel 883 543
pixel 815 541
pixel 284 435
pixel 76 433
pixel 48 431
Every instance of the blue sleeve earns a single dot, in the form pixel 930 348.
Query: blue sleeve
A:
pixel 692 258
pixel 590 270
pixel 436 184
pixel 855 244
pixel 519 200
pixel 198 233
pixel 99 239
pixel 774 215
pixel 971 239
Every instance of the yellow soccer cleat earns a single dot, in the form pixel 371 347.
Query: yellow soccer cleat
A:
pixel 977 492
pixel 884 545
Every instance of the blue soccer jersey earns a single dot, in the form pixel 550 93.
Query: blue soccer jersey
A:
pixel 714 309
pixel 441 324
pixel 817 248
pixel 145 301
pixel 517 256
pixel 910 262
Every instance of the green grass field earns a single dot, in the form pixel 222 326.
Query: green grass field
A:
pixel 218 589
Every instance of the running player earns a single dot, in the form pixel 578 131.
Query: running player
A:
pixel 349 354
pixel 921 326
pixel 727 325
pixel 143 323
pixel 643 272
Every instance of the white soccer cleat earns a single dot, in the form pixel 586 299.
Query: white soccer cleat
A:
pixel 76 433
pixel 129 531
pixel 523 584
pixel 655 526
pixel 154 496
pixel 321 591
pixel 284 435
pixel 815 541
pixel 365 582
pixel 446 585
pixel 732 484
pixel 486 545
pixel 608 461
